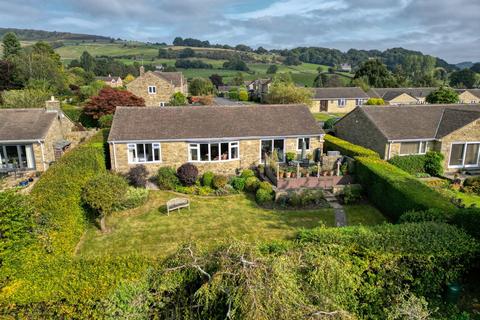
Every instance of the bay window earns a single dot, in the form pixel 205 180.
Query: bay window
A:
pixel 144 152
pixel 465 155
pixel 268 146
pixel 17 156
pixel 213 151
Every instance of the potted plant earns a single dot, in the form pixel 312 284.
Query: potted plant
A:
pixel 290 156
pixel 261 169
pixel 344 169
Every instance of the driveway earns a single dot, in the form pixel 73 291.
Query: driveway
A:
pixel 225 102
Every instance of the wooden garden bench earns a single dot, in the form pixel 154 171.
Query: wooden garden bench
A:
pixel 177 204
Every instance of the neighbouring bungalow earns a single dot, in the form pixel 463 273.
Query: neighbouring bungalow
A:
pixel 157 87
pixel 222 139
pixel 31 139
pixel 468 95
pixel 338 100
pixel 453 130
pixel 114 82
pixel 401 96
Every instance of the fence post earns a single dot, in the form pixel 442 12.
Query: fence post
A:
pixel 318 169
pixel 298 170
pixel 278 171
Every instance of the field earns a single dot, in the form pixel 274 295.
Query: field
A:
pixel 148 230
pixel 128 53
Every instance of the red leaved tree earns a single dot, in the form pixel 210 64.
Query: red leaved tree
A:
pixel 108 100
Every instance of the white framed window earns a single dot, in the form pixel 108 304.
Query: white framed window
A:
pixel 464 155
pixel 152 90
pixel 17 156
pixel 144 152
pixel 414 147
pixel 213 151
pixel 268 146
pixel 301 142
pixel 342 102
pixel 359 102
pixel 162 104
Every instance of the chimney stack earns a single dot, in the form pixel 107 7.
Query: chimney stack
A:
pixel 142 70
pixel 52 105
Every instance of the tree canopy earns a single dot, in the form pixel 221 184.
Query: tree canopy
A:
pixel 376 73
pixel 465 78
pixel 107 101
pixel 11 45
pixel 443 95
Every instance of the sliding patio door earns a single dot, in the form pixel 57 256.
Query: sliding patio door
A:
pixel 465 155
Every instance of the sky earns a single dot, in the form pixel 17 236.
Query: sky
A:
pixel 449 29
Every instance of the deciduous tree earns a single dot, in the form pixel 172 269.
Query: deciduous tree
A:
pixel 107 101
pixel 443 95
pixel 200 87
pixel 465 78
pixel 376 74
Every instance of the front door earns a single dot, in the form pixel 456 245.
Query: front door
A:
pixel 324 105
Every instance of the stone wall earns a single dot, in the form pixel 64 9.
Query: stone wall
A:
pixel 358 129
pixel 165 89
pixel 174 154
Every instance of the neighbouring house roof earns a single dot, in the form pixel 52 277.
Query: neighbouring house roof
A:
pixel 108 79
pixel 212 122
pixel 475 92
pixel 339 93
pixel 391 93
pixel 176 78
pixel 430 122
pixel 25 124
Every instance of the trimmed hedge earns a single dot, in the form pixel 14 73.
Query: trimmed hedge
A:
pixel 394 191
pixel 413 164
pixel 346 148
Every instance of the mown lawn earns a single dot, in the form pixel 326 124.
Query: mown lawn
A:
pixel 363 214
pixel 323 116
pixel 148 230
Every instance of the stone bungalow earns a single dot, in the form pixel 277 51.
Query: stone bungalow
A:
pixel 338 100
pixel 222 139
pixel 398 96
pixel 157 87
pixel 31 139
pixel 453 130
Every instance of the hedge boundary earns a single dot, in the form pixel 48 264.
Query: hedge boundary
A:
pixel 348 149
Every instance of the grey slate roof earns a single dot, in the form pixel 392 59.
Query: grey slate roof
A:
pixel 25 124
pixel 173 77
pixel 339 93
pixel 420 122
pixel 212 122
pixel 391 93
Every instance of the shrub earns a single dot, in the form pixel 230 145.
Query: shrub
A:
pixel 346 148
pixel 238 183
pixel 468 220
pixel 186 189
pixel 265 186
pixel 247 173
pixel 135 197
pixel 430 215
pixel 243 95
pixel 207 178
pixel 204 191
pixel 394 191
pixel 219 182
pixel 188 174
pixel 167 178
pixel 263 196
pixel 290 156
pixel 137 176
pixel 105 121
pixel 472 184
pixel 103 193
pixel 351 195
pixel 252 184
pixel 434 163
pixel 375 102
pixel 413 164
pixel 329 123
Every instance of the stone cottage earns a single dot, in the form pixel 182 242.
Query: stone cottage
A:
pixel 222 139
pixel 453 130
pixel 31 139
pixel 157 87
pixel 338 100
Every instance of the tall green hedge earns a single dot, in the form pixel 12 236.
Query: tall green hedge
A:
pixel 394 191
pixel 346 148
pixel 413 164
pixel 44 279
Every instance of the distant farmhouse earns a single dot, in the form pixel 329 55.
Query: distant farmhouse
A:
pixel 403 96
pixel 338 100
pixel 222 139
pixel 110 81
pixel 157 87
pixel 453 130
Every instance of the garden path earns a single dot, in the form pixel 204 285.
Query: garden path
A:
pixel 340 215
